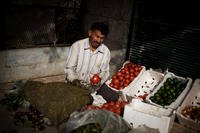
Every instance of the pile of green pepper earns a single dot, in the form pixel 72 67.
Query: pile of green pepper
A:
pixel 169 91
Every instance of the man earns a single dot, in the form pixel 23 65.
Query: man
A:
pixel 89 56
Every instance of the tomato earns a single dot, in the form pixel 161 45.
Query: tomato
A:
pixel 95 79
pixel 127 72
pixel 121 87
pixel 111 103
pixel 132 78
pixel 89 107
pixel 118 111
pixel 111 109
pixel 127 76
pixel 121 78
pixel 125 84
pixel 121 83
pixel 131 70
pixel 105 108
pixel 123 103
pixel 111 84
pixel 136 73
pixel 116 81
pixel 123 70
pixel 114 77
pixel 117 105
pixel 143 96
pixel 105 105
pixel 119 74
pixel 127 81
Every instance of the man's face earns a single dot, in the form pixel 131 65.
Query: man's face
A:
pixel 96 38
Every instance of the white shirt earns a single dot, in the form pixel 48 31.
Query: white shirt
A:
pixel 82 63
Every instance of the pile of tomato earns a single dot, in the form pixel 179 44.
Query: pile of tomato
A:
pixel 115 107
pixel 125 76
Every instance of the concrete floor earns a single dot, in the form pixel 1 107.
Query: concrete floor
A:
pixel 7 125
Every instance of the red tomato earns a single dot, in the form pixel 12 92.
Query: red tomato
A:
pixel 111 103
pixel 117 105
pixel 132 78
pixel 121 78
pixel 105 105
pixel 123 70
pixel 116 81
pixel 127 72
pixel 111 109
pixel 127 76
pixel 123 103
pixel 119 74
pixel 118 111
pixel 132 65
pixel 121 83
pixel 126 65
pixel 104 108
pixel 132 70
pixel 114 76
pixel 136 73
pixel 89 107
pixel 121 87
pixel 111 84
pixel 115 86
pixel 125 84
pixel 95 79
pixel 127 81
pixel 144 96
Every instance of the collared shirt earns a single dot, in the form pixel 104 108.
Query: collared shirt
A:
pixel 82 63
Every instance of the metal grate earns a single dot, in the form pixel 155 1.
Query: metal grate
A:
pixel 158 43
pixel 35 23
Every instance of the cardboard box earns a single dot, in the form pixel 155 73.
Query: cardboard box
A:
pixel 192 99
pixel 137 118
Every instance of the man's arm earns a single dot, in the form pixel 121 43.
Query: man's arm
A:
pixel 71 63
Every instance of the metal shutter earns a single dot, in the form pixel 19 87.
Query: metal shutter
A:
pixel 165 42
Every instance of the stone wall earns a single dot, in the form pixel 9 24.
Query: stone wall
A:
pixel 37 62
pixel 28 63
pixel 118 14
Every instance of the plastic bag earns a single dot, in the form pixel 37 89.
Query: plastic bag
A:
pixel 144 129
pixel 108 121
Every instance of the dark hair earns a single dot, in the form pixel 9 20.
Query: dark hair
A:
pixel 101 26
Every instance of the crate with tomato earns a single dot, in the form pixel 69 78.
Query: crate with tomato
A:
pixel 116 107
pixel 125 76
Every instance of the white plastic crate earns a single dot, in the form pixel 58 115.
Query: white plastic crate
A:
pixel 146 83
pixel 193 98
pixel 179 99
pixel 138 105
pixel 124 89
pixel 136 116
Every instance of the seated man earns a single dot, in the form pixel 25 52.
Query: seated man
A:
pixel 89 56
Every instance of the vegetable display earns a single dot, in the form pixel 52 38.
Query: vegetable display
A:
pixel 125 76
pixel 30 118
pixel 115 107
pixel 192 112
pixel 168 92
pixel 13 100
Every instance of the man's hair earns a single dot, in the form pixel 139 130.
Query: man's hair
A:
pixel 101 26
